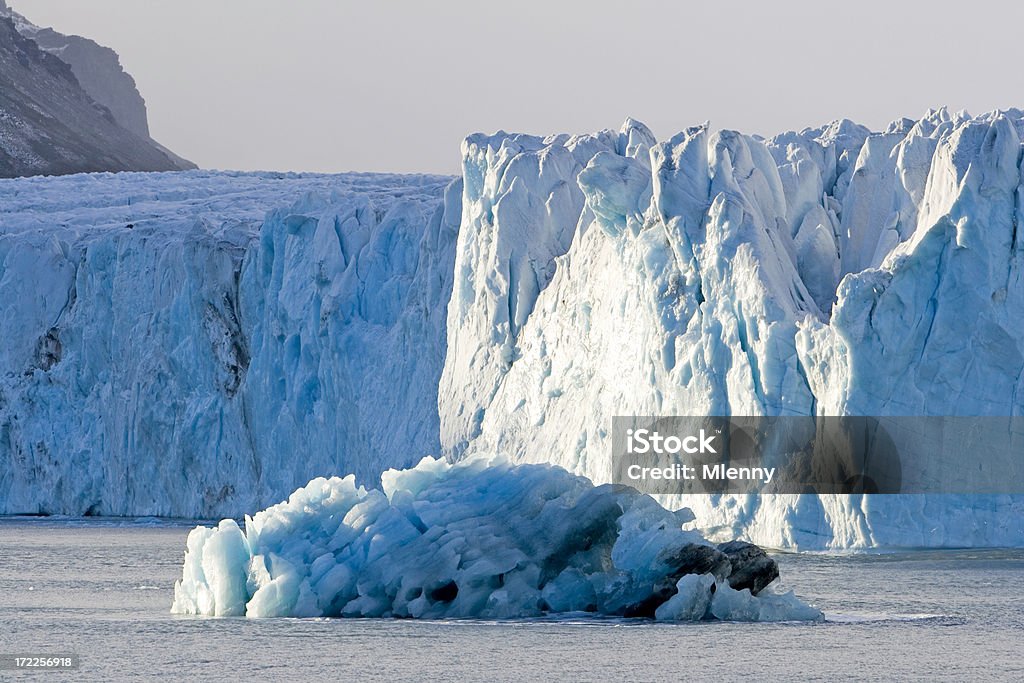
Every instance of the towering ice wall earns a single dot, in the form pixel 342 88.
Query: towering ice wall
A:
pixel 521 206
pixel 174 349
pixel 168 351
pixel 828 272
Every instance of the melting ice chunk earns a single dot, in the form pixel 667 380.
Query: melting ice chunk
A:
pixel 480 538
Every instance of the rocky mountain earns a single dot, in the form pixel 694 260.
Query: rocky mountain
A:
pixel 67 106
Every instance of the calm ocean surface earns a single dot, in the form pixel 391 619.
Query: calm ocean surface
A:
pixel 102 589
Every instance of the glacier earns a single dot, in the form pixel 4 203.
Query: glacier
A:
pixel 831 272
pixel 201 344
pixel 172 348
pixel 477 539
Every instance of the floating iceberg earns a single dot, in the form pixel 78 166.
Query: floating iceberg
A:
pixel 479 538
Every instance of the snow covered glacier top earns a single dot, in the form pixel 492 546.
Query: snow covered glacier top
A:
pixel 563 281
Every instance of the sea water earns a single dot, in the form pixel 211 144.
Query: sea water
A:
pixel 102 589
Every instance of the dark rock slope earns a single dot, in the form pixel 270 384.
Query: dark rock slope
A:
pixel 67 106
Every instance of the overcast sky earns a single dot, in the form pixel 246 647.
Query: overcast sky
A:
pixel 331 85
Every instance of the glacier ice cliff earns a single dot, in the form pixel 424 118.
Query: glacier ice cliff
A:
pixel 478 539
pixel 831 272
pixel 184 346
pixel 171 351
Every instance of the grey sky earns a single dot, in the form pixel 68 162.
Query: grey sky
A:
pixel 329 85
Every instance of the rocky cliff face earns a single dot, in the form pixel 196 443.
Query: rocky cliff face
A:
pixel 99 72
pixel 67 106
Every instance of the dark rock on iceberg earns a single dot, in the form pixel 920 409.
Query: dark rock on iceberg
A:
pixel 751 566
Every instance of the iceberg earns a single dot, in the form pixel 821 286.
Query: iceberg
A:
pixel 477 539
